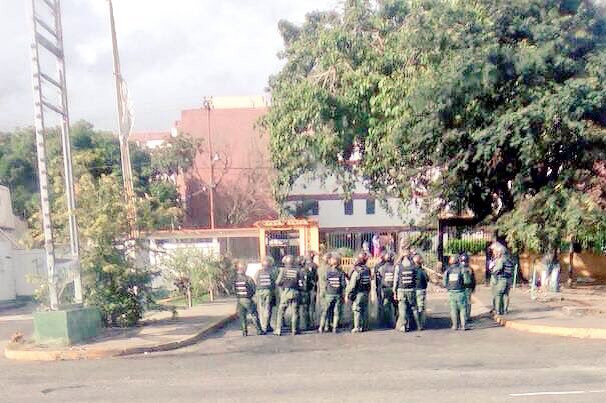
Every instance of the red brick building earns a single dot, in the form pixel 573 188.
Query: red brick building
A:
pixel 240 162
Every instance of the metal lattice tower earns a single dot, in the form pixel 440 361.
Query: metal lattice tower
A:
pixel 48 42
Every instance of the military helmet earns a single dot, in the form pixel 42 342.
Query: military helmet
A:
pixel 288 260
pixel 362 258
pixel 267 261
pixel 239 265
pixel 334 257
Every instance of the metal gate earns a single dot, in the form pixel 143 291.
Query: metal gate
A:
pixel 281 243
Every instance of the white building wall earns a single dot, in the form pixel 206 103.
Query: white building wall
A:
pixel 28 263
pixel 7 276
pixel 332 215
pixel 332 212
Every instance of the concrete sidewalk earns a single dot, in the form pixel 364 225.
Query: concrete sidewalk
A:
pixel 552 314
pixel 158 332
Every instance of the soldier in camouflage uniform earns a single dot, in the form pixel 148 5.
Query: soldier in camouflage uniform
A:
pixel 421 283
pixel 332 296
pixel 404 289
pixel 470 287
pixel 311 274
pixel 387 303
pixel 358 291
pixel 245 290
pixel 289 279
pixel 307 292
pixel 266 288
pixel 454 281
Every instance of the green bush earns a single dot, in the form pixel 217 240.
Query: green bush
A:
pixel 115 286
pixel 470 246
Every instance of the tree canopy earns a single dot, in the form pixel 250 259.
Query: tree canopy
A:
pixel 494 106
pixel 112 280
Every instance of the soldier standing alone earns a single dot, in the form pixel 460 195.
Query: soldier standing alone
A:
pixel 266 288
pixel 245 290
pixel 289 278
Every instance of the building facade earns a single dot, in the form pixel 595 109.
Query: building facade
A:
pixel 234 157
pixel 354 223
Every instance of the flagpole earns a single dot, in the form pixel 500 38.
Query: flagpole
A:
pixel 123 132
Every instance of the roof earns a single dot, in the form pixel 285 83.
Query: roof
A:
pixel 147 136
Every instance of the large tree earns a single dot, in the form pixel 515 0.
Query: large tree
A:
pixel 496 106
pixel 112 280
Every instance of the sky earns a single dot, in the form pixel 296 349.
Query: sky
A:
pixel 173 53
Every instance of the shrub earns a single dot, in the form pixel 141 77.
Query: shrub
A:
pixel 470 246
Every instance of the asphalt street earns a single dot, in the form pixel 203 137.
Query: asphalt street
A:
pixel 486 364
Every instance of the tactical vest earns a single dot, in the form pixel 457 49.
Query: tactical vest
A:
pixel 243 290
pixel 363 279
pixel 388 273
pixel 333 282
pixel 407 280
pixel 290 278
pixel 308 281
pixel 508 268
pixel 312 273
pixel 467 276
pixel 421 280
pixel 266 282
pixel 454 279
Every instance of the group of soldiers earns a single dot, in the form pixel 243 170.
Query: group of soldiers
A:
pixel 400 287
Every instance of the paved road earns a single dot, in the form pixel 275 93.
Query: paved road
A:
pixel 488 364
pixel 13 320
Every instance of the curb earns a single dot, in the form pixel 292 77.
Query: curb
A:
pixel 14 351
pixel 573 332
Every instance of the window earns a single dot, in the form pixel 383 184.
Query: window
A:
pixel 348 207
pixel 370 206
pixel 306 208
pixel 315 207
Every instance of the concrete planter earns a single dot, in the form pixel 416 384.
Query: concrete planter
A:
pixel 66 327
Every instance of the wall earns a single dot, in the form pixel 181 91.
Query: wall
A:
pixel 332 215
pixel 331 205
pixel 28 262
pixel 585 265
pixel 7 277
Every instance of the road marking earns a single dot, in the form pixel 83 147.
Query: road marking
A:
pixel 570 392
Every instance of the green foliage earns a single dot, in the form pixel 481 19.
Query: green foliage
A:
pixel 111 279
pixel 345 252
pixel 496 106
pixel 175 155
pixel 471 246
pixel 193 270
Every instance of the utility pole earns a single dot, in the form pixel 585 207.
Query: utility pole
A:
pixel 207 103
pixel 48 37
pixel 124 129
